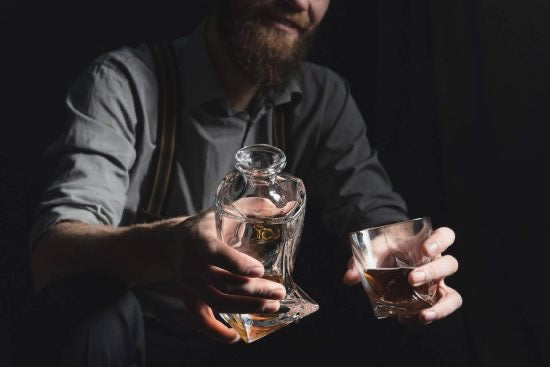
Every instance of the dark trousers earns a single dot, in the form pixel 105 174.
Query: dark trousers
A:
pixel 82 321
pixel 95 321
pixel 98 322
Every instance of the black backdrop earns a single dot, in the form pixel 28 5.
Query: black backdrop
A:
pixel 456 96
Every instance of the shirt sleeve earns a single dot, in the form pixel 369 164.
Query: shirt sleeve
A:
pixel 354 190
pixel 94 155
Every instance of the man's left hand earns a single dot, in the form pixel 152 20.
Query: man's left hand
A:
pixel 449 300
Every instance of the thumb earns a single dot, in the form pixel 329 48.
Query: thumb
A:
pixel 351 277
pixel 210 326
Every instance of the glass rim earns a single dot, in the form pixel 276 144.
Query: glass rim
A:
pixel 392 224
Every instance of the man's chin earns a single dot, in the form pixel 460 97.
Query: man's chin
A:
pixel 282 45
pixel 268 55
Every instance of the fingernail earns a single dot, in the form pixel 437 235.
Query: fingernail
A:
pixel 271 307
pixel 429 315
pixel 418 276
pixel 433 247
pixel 256 271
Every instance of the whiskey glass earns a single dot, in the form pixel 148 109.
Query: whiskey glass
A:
pixel 384 256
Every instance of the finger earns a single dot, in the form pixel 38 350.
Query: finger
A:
pixel 222 302
pixel 225 257
pixel 231 284
pixel 439 241
pixel 435 270
pixel 209 325
pixel 351 277
pixel 449 302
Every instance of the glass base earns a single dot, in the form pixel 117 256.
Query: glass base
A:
pixel 383 310
pixel 252 327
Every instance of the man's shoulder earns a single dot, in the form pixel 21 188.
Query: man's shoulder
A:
pixel 132 61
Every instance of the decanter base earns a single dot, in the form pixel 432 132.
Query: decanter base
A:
pixel 252 327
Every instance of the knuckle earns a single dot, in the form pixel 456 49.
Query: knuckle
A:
pixel 260 288
pixel 430 271
pixel 261 292
pixel 211 245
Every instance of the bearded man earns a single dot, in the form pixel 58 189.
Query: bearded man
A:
pixel 238 66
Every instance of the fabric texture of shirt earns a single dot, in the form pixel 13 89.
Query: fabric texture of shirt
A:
pixel 103 159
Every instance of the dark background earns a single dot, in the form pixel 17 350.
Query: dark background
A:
pixel 456 95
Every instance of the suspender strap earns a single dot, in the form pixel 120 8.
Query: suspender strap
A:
pixel 279 128
pixel 169 95
pixel 167 122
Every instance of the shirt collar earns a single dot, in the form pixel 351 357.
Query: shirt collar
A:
pixel 291 93
pixel 200 81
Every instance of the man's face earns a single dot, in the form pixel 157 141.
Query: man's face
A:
pixel 269 38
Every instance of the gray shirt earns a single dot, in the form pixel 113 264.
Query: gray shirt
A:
pixel 103 157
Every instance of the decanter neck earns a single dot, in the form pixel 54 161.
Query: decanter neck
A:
pixel 260 162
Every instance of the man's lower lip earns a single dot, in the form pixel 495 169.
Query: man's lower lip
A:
pixel 286 28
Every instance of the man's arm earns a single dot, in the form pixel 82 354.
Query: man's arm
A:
pixel 356 193
pixel 210 274
pixel 77 228
pixel 71 248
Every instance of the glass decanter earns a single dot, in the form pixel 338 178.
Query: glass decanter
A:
pixel 260 212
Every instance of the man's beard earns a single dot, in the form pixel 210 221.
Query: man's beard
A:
pixel 267 56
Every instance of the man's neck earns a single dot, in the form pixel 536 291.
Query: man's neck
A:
pixel 238 90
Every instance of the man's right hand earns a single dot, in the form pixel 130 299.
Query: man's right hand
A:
pixel 215 276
